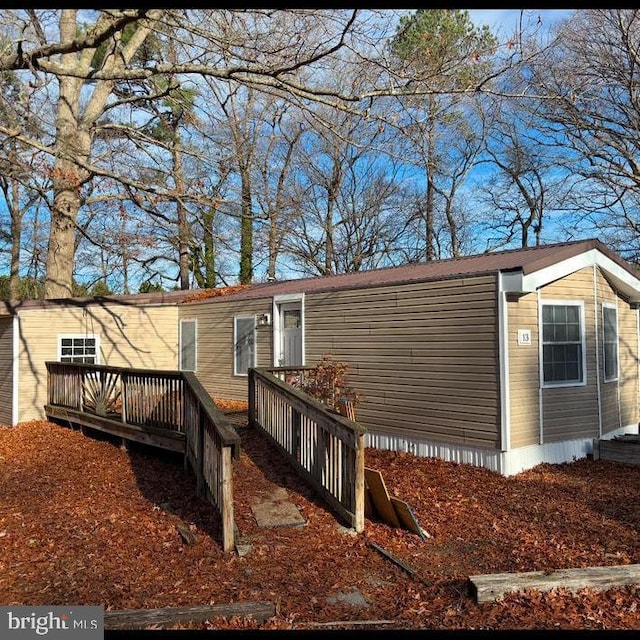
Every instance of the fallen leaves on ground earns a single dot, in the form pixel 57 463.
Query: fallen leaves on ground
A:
pixel 84 521
pixel 230 406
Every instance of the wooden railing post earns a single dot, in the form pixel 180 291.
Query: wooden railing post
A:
pixel 124 379
pixel 296 428
pixel 200 453
pixel 80 397
pixel 358 524
pixel 251 409
pixel 228 537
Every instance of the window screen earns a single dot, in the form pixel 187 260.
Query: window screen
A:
pixel 188 334
pixel 244 344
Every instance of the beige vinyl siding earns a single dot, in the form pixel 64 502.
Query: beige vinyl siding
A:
pixel 423 356
pixel 130 336
pixel 572 412
pixel 619 397
pixel 215 343
pixel 608 390
pixel 524 372
pixel 628 354
pixel 6 370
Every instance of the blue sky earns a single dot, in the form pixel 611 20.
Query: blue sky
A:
pixel 504 21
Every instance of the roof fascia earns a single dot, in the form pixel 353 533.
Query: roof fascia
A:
pixel 627 283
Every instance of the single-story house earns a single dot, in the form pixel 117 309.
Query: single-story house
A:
pixel 502 360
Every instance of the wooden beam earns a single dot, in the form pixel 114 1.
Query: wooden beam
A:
pixel 154 436
pixel 413 572
pixel 170 616
pixel 489 587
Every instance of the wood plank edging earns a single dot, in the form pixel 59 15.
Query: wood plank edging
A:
pixel 490 587
pixel 169 616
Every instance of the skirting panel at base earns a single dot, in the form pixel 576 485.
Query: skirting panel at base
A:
pixel 506 463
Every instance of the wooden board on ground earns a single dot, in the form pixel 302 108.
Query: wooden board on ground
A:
pixel 406 517
pixel 490 587
pixel 379 495
pixel 170 616
pixel 368 507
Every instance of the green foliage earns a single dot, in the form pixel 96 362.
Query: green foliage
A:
pixel 100 288
pixel 149 50
pixel 327 382
pixel 30 288
pixel 443 42
pixel 150 287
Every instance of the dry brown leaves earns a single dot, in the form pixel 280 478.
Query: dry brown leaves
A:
pixel 83 521
pixel 230 406
pixel 205 294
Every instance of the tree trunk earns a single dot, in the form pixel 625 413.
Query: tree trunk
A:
pixel 430 253
pixel 453 229
pixel 184 233
pixel 332 196
pixel 246 229
pixel 204 262
pixel 16 231
pixel 72 143
pixel 210 276
pixel 273 246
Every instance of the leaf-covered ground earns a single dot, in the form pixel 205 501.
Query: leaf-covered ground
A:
pixel 83 521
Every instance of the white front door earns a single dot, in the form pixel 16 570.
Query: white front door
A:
pixel 290 334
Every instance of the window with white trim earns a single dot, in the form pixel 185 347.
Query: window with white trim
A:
pixel 562 344
pixel 610 342
pixel 188 347
pixel 244 339
pixel 79 348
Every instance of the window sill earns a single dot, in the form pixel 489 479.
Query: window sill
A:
pixel 564 385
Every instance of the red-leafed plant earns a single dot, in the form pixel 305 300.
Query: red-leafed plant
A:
pixel 327 382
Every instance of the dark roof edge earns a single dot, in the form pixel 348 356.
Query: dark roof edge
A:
pixel 133 299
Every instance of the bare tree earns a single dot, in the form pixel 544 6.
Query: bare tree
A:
pixel 592 73
pixel 443 48
pixel 526 183
pixel 108 67
pixel 276 192
pixel 349 211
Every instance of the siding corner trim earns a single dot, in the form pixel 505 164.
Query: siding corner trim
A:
pixel 15 398
pixel 503 342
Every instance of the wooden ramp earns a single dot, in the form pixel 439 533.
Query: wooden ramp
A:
pixel 490 587
pixel 168 439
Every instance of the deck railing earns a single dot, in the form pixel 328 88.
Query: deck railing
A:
pixel 169 400
pixel 325 447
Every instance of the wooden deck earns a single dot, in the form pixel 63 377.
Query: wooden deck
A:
pixel 624 449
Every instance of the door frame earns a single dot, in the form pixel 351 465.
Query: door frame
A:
pixel 277 323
